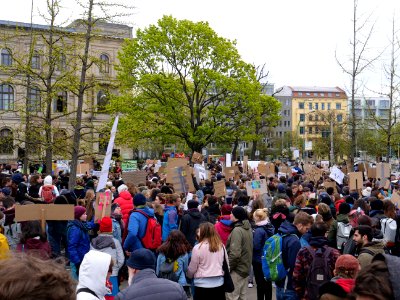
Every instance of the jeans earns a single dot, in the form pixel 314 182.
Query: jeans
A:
pixel 264 287
pixel 57 231
pixel 287 295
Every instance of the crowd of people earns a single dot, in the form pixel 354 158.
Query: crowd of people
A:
pixel 303 239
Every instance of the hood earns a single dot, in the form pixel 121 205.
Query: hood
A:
pixel 126 195
pixel 269 228
pixel 226 223
pixel 48 180
pixel 376 247
pixel 343 218
pixel 34 243
pixel 103 241
pixel 168 208
pixel 288 228
pixel 393 264
pixel 93 272
pixel 194 213
pixel 318 241
pixel 245 224
pixel 148 211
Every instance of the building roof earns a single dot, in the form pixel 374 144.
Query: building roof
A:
pixel 14 24
pixel 283 91
pixel 313 89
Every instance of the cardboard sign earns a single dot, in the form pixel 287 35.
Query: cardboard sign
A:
pixel 371 172
pixel 382 170
pixel 176 162
pixel 262 169
pixel 187 173
pixel 150 161
pixel 355 181
pixel 361 167
pixel 161 170
pixel 245 163
pixel 337 175
pixel 256 187
pixel 270 169
pixel 395 198
pixel 177 178
pixel 232 172
pixel 219 189
pixel 44 212
pixel 386 185
pixel 83 168
pixel 330 184
pixel 103 205
pixel 197 158
pixel 135 177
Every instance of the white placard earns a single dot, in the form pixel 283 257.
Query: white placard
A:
pixel 337 175
pixel 281 174
pixel 296 154
pixel 325 165
pixel 200 172
pixel 228 160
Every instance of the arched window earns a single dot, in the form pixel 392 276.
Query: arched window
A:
pixel 6 58
pixel 60 103
pixel 103 143
pixel 102 100
pixel 6 97
pixel 6 141
pixel 104 63
pixel 35 63
pixel 33 99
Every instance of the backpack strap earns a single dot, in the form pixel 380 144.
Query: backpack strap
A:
pixel 141 212
pixel 87 290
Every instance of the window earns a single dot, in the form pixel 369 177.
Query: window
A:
pixel 322 118
pixel 280 133
pixel 310 130
pixel 308 94
pixel 310 118
pixel 316 118
pixel 384 104
pixel 325 133
pixel 102 100
pixel 323 106
pixel 284 123
pixel 310 106
pixel 329 94
pixel 339 118
pixel 322 95
pixel 301 130
pixel 33 99
pixel 329 106
pixel 6 58
pixel 62 63
pixel 316 130
pixel 316 106
pixel 104 64
pixel 301 105
pixel 288 112
pixel 338 106
pixel 371 103
pixel 300 93
pixel 337 95
pixel 6 141
pixel 288 123
pixel 6 97
pixel 60 103
pixel 302 117
pixel 287 102
pixel 315 94
pixel 35 63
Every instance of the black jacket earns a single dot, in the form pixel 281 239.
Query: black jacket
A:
pixel 190 222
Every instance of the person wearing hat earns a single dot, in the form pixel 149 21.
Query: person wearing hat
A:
pixel 144 283
pixel 78 239
pixel 118 224
pixel 19 184
pixel 240 252
pixel 137 223
pixel 105 242
pixel 343 221
pixel 223 225
pixel 191 220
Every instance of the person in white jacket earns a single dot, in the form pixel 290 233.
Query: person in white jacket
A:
pixel 93 272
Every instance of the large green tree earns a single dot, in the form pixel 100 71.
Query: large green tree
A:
pixel 180 80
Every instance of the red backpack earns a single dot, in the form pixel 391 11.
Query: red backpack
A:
pixel 48 193
pixel 152 236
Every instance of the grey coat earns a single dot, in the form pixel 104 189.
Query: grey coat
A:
pixel 146 286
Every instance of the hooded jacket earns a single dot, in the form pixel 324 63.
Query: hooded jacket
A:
pixel 170 221
pixel 260 235
pixel 137 229
pixel 78 241
pixel 368 251
pixel 36 247
pixel 4 248
pixel 189 224
pixel 146 286
pixel 240 248
pixel 107 244
pixel 93 275
pixel 393 264
pixel 48 181
pixel 224 228
pixel 290 248
pixel 125 201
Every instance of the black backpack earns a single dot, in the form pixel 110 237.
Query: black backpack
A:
pixel 319 271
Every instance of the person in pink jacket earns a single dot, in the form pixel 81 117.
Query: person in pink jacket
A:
pixel 206 264
pixel 125 201
pixel 223 226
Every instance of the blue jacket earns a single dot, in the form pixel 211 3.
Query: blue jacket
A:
pixel 290 247
pixel 170 221
pixel 137 229
pixel 78 240
pixel 183 264
pixel 117 230
pixel 260 235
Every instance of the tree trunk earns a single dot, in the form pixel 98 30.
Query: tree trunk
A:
pixel 254 149
pixel 234 150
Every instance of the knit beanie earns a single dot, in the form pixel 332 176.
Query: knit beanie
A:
pixel 239 213
pixel 79 211
pixel 106 224
pixel 226 209
pixel 142 259
pixel 192 204
pixel 139 199
pixel 347 262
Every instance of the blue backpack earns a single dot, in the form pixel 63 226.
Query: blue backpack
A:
pixel 272 262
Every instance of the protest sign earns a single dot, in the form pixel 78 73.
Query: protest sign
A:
pixel 228 160
pixel 337 175
pixel 232 172
pixel 103 205
pixel 197 158
pixel 187 173
pixel 270 169
pixel 332 184
pixel 361 167
pixel 382 170
pixel 395 198
pixel 135 177
pixel 219 188
pixel 44 212
pixel 177 178
pixel 355 181
pixel 371 172
pixel 281 174
pixel 256 187
pixel 83 168
pixel 325 165
pixel 245 163
pixel 129 165
pixel 262 169
pixel 176 162
pixel 200 172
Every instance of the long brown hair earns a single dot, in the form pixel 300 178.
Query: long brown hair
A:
pixel 89 199
pixel 175 246
pixel 209 234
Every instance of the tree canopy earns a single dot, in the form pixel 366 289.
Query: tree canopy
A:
pixel 181 81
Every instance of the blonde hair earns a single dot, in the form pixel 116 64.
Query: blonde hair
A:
pixel 260 214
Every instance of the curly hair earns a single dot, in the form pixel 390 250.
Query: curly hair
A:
pixel 47 279
pixel 175 246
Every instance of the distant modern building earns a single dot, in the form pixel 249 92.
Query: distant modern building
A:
pixel 370 109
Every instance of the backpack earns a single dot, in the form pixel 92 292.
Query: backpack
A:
pixel 152 236
pixel 342 234
pixel 272 262
pixel 319 271
pixel 167 270
pixel 389 229
pixel 48 193
pixel 86 290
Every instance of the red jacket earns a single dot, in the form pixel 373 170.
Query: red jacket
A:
pixel 223 228
pixel 125 201
pixel 337 204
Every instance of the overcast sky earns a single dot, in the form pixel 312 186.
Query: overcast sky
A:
pixel 297 40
